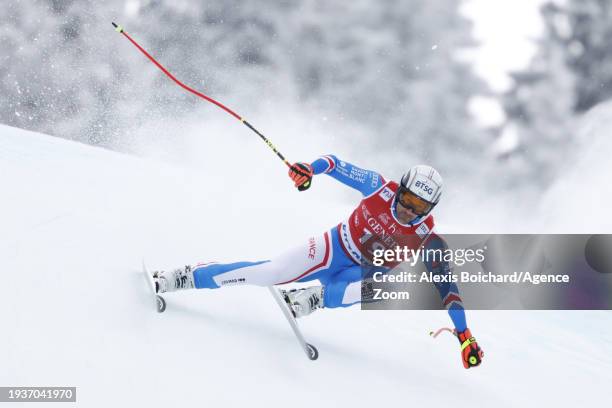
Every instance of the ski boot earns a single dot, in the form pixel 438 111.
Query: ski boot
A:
pixel 304 301
pixel 170 281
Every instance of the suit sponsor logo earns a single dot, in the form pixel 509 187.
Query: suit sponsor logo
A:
pixel 374 180
pixel 379 233
pixel 235 280
pixel 423 186
pixel 384 218
pixel 312 248
pixel 386 194
pixel 346 240
pixel 422 231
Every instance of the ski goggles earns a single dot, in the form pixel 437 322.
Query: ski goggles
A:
pixel 410 200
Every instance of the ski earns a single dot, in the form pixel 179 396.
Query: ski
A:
pixel 160 302
pixel 311 351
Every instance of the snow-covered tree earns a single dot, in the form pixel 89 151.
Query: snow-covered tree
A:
pixel 394 66
pixel 390 67
pixel 571 72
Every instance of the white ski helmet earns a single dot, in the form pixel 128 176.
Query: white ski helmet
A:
pixel 420 189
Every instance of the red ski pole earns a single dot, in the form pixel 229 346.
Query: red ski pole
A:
pixel 120 29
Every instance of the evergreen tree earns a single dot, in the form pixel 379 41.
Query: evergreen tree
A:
pixel 394 66
pixel 571 72
pixel 539 106
pixel 588 49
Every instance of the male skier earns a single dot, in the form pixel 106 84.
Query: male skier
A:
pixel 389 215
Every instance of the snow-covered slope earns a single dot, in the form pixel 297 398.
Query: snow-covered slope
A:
pixel 76 222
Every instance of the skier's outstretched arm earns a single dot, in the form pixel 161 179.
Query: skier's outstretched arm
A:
pixel 364 181
pixel 449 292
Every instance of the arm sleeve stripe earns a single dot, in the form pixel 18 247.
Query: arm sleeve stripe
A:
pixel 450 298
pixel 330 163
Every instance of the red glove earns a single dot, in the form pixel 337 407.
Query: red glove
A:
pixel 301 174
pixel 471 354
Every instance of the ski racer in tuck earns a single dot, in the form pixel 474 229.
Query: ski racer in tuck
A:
pixel 335 257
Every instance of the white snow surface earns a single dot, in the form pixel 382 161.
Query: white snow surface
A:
pixel 77 221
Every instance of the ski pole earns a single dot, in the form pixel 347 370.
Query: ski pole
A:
pixel 120 30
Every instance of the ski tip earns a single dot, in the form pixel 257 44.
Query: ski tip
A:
pixel 313 353
pixel 161 304
pixel 114 25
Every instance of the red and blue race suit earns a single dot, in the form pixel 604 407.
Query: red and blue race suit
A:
pixel 336 257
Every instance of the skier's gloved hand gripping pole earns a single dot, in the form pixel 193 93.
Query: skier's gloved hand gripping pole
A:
pixel 306 177
pixel 471 353
pixel 301 174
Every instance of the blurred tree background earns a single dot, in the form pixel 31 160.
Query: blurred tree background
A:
pixel 570 74
pixel 393 68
